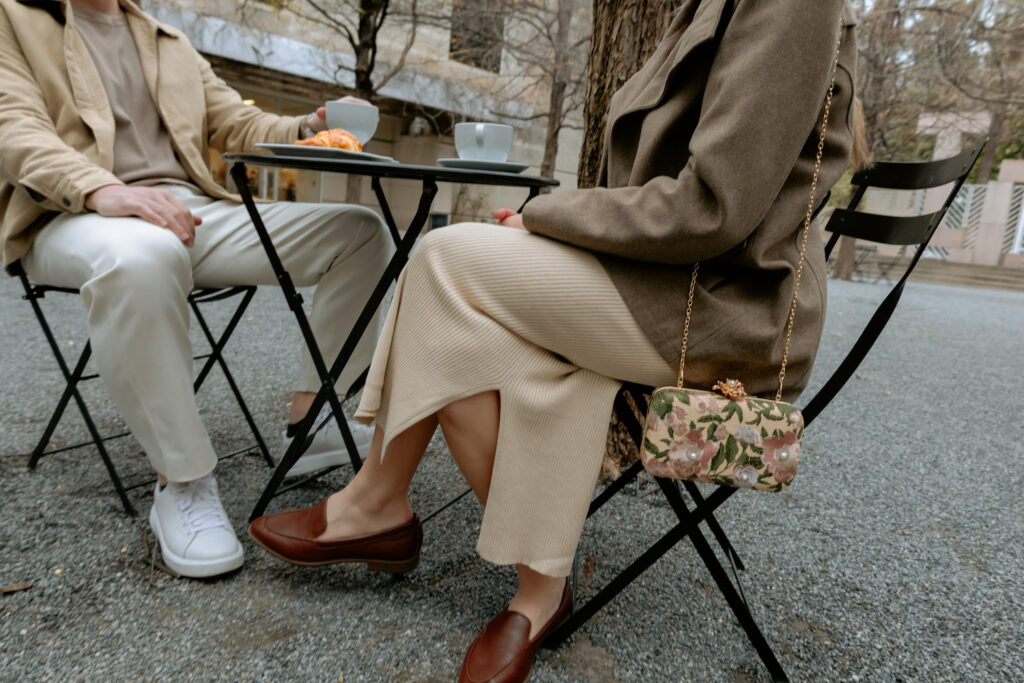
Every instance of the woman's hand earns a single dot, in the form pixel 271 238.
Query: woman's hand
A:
pixel 152 204
pixel 318 119
pixel 509 218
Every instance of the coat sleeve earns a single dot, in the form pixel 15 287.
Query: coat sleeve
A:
pixel 765 90
pixel 234 126
pixel 32 154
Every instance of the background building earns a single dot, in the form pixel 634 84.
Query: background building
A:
pixel 459 61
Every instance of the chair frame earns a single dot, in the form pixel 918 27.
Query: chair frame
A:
pixel 76 375
pixel 893 230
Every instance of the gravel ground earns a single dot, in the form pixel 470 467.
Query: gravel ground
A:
pixel 896 555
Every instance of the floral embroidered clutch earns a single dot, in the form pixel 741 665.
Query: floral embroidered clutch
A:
pixel 744 442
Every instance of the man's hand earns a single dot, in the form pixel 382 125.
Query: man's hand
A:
pixel 152 204
pixel 318 119
pixel 509 218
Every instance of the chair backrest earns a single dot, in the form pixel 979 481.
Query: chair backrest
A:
pixel 901 230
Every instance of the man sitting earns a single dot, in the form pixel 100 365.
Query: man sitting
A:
pixel 106 117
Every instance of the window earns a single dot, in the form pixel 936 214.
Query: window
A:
pixel 478 33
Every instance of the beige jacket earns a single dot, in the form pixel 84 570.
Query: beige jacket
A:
pixel 708 157
pixel 57 130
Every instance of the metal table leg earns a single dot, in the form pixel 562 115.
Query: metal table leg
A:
pixel 328 377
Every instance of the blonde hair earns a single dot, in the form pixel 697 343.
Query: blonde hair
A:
pixel 861 158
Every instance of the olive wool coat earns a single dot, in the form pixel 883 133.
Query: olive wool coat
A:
pixel 708 156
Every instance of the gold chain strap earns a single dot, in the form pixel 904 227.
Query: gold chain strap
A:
pixel 810 214
pixel 686 325
pixel 803 244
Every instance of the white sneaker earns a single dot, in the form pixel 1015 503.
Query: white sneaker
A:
pixel 328 448
pixel 196 538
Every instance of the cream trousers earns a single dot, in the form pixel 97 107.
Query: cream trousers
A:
pixel 481 308
pixel 135 278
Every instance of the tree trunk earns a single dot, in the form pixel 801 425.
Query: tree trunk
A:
pixel 556 100
pixel 995 134
pixel 624 35
pixel 366 46
pixel 555 105
pixel 846 254
pixel 365 50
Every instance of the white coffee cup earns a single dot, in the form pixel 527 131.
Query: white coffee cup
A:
pixel 359 119
pixel 483 141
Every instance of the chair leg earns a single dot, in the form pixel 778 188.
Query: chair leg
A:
pixel 216 356
pixel 615 586
pixel 72 380
pixel 634 570
pixel 735 601
pixel 716 529
pixel 111 470
pixel 635 430
pixel 629 475
pixel 58 412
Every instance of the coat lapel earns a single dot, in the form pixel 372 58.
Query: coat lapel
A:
pixel 147 34
pixel 144 35
pixel 54 7
pixel 694 25
pixel 87 89
pixel 168 82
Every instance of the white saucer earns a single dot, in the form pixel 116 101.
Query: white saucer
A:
pixel 501 166
pixel 322 152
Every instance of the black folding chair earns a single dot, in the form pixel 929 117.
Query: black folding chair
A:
pixel 73 376
pixel 913 230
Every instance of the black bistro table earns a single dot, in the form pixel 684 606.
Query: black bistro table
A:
pixel 429 177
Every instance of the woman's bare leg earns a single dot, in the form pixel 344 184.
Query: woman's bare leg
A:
pixel 471 429
pixel 538 597
pixel 377 498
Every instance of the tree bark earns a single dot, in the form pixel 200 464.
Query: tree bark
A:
pixel 995 134
pixel 556 100
pixel 624 35
pixel 554 127
pixel 366 45
pixel 846 254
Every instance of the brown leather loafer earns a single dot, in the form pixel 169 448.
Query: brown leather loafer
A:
pixel 292 536
pixel 503 651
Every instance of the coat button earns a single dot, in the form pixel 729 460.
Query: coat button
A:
pixel 66 201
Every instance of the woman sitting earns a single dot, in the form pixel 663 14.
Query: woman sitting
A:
pixel 514 337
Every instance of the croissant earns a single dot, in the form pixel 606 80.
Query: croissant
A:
pixel 339 138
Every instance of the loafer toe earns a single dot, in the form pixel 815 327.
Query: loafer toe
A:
pixel 503 651
pixel 293 536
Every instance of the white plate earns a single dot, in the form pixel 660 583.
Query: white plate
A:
pixel 502 166
pixel 322 152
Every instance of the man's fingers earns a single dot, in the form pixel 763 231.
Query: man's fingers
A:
pixel 177 205
pixel 175 219
pixel 148 213
pixel 184 221
pixel 159 207
pixel 159 214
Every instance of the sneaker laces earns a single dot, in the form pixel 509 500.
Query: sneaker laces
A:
pixel 200 506
pixel 325 421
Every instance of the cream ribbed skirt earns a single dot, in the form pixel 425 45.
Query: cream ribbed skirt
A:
pixel 482 307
